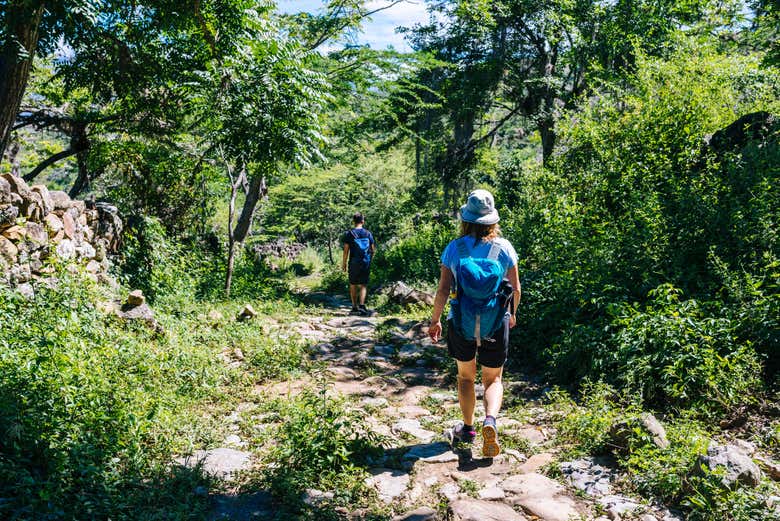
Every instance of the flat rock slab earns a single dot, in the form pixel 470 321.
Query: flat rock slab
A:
pixel 536 462
pixel 540 496
pixel 350 322
pixel 388 483
pixel 222 463
pixel 476 510
pixel 413 428
pixel 439 452
pixel 420 514
pixel 413 411
pixel 245 507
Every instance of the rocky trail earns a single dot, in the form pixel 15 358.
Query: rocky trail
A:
pixel 403 386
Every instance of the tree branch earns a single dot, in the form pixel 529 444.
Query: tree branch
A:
pixel 48 162
pixel 329 32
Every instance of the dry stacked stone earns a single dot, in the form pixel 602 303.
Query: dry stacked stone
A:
pixel 37 225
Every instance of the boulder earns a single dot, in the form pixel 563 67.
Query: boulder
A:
pixel 5 191
pixel 8 250
pixel 222 463
pixel 60 200
pixel 53 224
pixel 66 249
pixel 69 225
pixel 540 496
pixel 109 225
pixel 47 203
pixel 8 216
pixel 15 233
pixel 737 467
pixel 621 431
pixel 389 483
pixel 36 234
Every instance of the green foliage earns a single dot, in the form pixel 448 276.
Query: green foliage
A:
pixel 322 443
pixel 89 409
pixel 416 255
pixel 635 200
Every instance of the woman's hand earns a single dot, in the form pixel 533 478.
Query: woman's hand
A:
pixel 512 321
pixel 434 331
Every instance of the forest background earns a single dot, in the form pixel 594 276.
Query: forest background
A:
pixel 632 148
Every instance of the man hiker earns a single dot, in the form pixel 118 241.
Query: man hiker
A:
pixel 359 247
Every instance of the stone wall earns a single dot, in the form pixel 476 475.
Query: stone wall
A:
pixel 37 226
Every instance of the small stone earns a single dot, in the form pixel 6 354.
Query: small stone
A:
pixel 247 313
pixel 238 354
pixel 314 497
pixel 8 216
pixel 53 224
pixel 234 440
pixel 450 491
pixel 26 290
pixel 222 463
pixel 135 298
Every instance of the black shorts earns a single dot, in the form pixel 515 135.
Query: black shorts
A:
pixel 358 272
pixel 493 352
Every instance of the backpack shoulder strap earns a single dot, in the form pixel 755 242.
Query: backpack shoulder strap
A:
pixel 495 251
pixel 463 250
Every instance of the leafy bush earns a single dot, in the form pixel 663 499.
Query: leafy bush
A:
pixel 322 445
pixel 636 199
pixel 81 399
pixel 415 256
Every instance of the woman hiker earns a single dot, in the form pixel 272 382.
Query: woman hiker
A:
pixel 359 247
pixel 479 320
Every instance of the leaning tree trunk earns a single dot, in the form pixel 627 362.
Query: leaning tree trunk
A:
pixel 547 133
pixel 257 189
pixel 16 56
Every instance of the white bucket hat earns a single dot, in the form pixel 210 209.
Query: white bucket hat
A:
pixel 479 208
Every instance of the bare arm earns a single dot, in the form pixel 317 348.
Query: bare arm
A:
pixel 344 257
pixel 443 291
pixel 514 279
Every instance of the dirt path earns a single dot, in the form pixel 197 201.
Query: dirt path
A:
pixel 403 386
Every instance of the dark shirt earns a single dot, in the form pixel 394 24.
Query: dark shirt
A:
pixel 355 253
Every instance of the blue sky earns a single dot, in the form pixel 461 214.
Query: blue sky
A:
pixel 379 33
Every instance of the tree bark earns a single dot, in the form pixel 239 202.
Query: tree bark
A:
pixel 43 165
pixel 257 189
pixel 547 132
pixel 16 56
pixel 82 179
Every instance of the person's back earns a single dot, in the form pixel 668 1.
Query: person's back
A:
pixel 359 247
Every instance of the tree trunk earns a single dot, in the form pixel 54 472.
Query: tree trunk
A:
pixel 257 189
pixel 82 179
pixel 547 132
pixel 16 57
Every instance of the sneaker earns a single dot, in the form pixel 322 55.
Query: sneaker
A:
pixel 363 310
pixel 462 433
pixel 355 311
pixel 490 446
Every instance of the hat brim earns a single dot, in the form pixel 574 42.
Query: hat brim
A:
pixel 466 216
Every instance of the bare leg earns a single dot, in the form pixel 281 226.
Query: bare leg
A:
pixel 467 372
pixel 494 389
pixel 362 294
pixel 353 294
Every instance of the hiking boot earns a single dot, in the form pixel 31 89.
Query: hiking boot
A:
pixel 364 311
pixel 355 311
pixel 490 446
pixel 462 433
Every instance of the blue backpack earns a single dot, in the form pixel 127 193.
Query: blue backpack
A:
pixel 364 245
pixel 477 311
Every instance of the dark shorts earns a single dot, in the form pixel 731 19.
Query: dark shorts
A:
pixel 358 272
pixel 492 353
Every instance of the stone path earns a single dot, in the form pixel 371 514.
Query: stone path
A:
pixel 400 383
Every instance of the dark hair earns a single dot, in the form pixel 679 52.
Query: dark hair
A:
pixel 357 218
pixel 480 232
